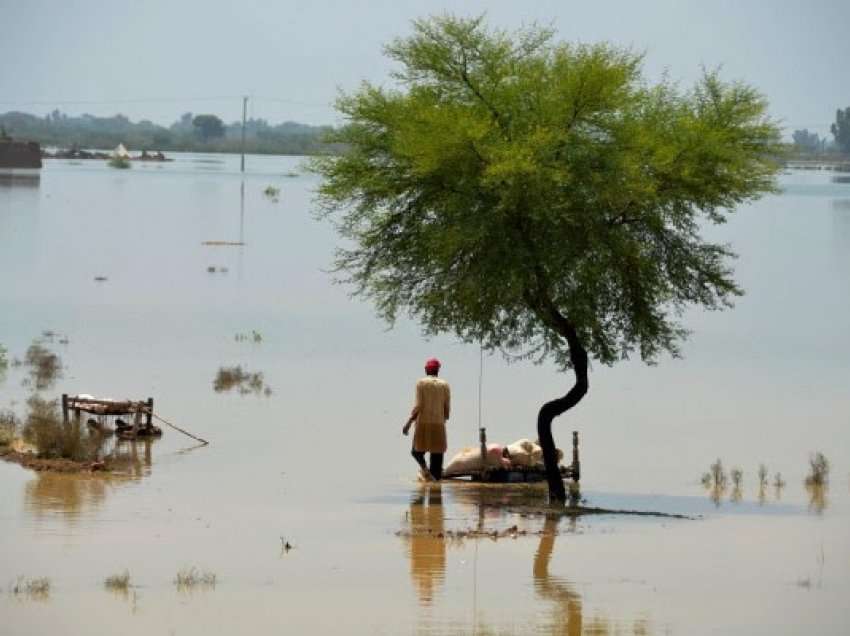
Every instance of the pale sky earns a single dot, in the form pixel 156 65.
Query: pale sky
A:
pixel 156 59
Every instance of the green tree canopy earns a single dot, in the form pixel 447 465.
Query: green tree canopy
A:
pixel 208 127
pixel 841 129
pixel 540 196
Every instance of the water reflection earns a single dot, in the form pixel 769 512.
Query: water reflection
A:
pixel 17 180
pixel 818 501
pixel 566 616
pixel 426 543
pixel 74 495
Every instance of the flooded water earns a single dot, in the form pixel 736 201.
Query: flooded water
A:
pixel 317 461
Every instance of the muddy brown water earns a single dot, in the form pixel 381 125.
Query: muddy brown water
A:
pixel 321 464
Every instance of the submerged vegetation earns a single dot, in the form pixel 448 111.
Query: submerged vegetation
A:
pixel 118 582
pixel 245 382
pixel 35 588
pixel 272 193
pixel 818 470
pixel 254 336
pixel 190 578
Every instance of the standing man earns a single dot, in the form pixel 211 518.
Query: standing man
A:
pixel 430 414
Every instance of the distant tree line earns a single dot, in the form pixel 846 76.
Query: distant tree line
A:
pixel 192 132
pixel 808 143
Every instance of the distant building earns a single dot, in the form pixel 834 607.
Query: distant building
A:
pixel 18 157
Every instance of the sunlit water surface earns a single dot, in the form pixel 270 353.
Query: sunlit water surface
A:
pixel 321 464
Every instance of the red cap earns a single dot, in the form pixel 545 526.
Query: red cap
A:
pixel 432 363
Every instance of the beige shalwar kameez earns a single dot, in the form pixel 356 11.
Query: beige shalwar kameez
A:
pixel 433 404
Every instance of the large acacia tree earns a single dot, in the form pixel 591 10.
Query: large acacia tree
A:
pixel 542 197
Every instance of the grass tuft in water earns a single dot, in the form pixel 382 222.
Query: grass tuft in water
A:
pixel 118 582
pixel 190 578
pixel 229 378
pixel 762 475
pixel 255 336
pixel 818 470
pixel 38 588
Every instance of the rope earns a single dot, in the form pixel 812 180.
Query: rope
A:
pixel 177 428
pixel 480 381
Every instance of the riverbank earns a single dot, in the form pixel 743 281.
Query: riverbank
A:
pixel 58 465
pixel 838 165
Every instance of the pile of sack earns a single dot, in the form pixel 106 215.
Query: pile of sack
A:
pixel 522 453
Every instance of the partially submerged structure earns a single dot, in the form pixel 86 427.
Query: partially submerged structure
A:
pixel 486 472
pixel 106 411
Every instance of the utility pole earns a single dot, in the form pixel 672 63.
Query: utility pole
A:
pixel 244 115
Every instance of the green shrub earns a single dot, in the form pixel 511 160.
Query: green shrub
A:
pixel 44 429
pixel 8 428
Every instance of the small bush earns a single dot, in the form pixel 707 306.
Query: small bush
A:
pixel 818 470
pixel 8 428
pixel 45 366
pixel 717 475
pixel 44 429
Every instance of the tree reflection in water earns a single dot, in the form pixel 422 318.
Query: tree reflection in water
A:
pixel 428 539
pixel 72 495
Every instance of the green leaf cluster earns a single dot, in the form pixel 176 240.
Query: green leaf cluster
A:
pixel 507 185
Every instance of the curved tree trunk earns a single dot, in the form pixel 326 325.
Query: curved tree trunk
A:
pixel 554 408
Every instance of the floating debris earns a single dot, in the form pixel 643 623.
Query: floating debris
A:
pixel 100 279
pixel 223 243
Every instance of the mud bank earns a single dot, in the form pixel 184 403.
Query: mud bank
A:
pixel 60 465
